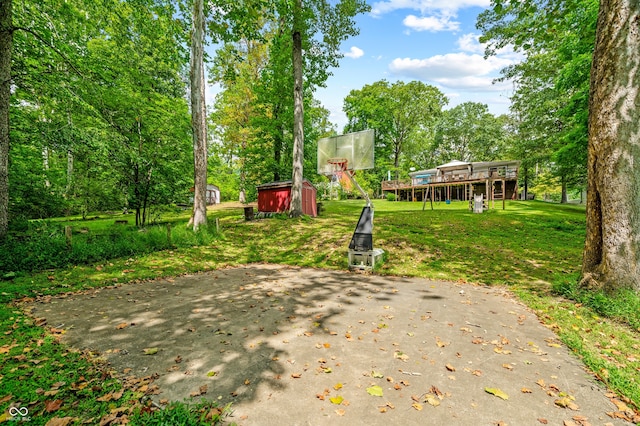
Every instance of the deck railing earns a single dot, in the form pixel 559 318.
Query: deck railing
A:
pixel 447 178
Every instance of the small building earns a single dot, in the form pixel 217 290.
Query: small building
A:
pixel 275 197
pixel 213 194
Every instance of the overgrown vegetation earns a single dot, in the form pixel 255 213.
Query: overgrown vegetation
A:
pixel 533 247
pixel 43 244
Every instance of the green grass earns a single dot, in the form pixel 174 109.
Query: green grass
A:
pixel 534 248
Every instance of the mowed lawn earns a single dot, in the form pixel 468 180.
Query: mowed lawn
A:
pixel 533 248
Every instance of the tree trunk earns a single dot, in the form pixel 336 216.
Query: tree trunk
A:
pixel 611 256
pixel 68 191
pixel 526 183
pixel 45 166
pixel 298 116
pixel 563 197
pixel 6 41
pixel 198 118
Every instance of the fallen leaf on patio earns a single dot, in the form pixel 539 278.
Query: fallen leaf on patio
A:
pixel 212 373
pixel 417 406
pixel 507 366
pixel 203 389
pixel 450 367
pixel 525 390
pixel 121 326
pixel 543 421
pixel 247 382
pixel 296 375
pixel 340 412
pixel 374 390
pixel 337 386
pixel 581 420
pixel 337 400
pixel 326 345
pixel 620 405
pixel 440 343
pixel 437 392
pixel 400 355
pixel 150 351
pixel 377 375
pixel 431 400
pixel 497 392
pixel 566 402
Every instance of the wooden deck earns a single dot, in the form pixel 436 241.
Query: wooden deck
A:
pixel 448 179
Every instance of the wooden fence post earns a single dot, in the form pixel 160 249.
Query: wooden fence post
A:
pixel 67 235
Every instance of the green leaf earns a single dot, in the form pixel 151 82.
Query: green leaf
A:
pixel 150 351
pixel 497 392
pixel 377 375
pixel 374 390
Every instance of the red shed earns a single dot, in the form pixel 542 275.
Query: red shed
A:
pixel 275 197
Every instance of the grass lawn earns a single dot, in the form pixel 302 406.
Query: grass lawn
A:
pixel 533 247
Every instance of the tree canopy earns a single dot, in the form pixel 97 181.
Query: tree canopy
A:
pixel 403 115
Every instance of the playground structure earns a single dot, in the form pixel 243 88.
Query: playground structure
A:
pixel 339 157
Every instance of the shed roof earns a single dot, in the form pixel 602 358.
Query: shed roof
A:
pixel 281 184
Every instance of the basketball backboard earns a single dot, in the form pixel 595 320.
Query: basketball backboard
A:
pixel 355 149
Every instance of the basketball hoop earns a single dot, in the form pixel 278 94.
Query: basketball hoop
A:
pixel 339 168
pixel 338 165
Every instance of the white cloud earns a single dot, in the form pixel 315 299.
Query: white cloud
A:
pixel 450 6
pixel 470 43
pixel 454 70
pixel 431 23
pixel 354 52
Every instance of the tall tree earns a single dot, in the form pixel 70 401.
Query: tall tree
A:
pixel 6 42
pixel 612 247
pixel 468 132
pixel 552 82
pixel 298 113
pixel 323 26
pixel 198 117
pixel 401 113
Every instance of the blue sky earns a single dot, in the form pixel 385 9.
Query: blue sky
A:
pixel 433 41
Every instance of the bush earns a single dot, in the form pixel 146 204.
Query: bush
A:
pixel 390 196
